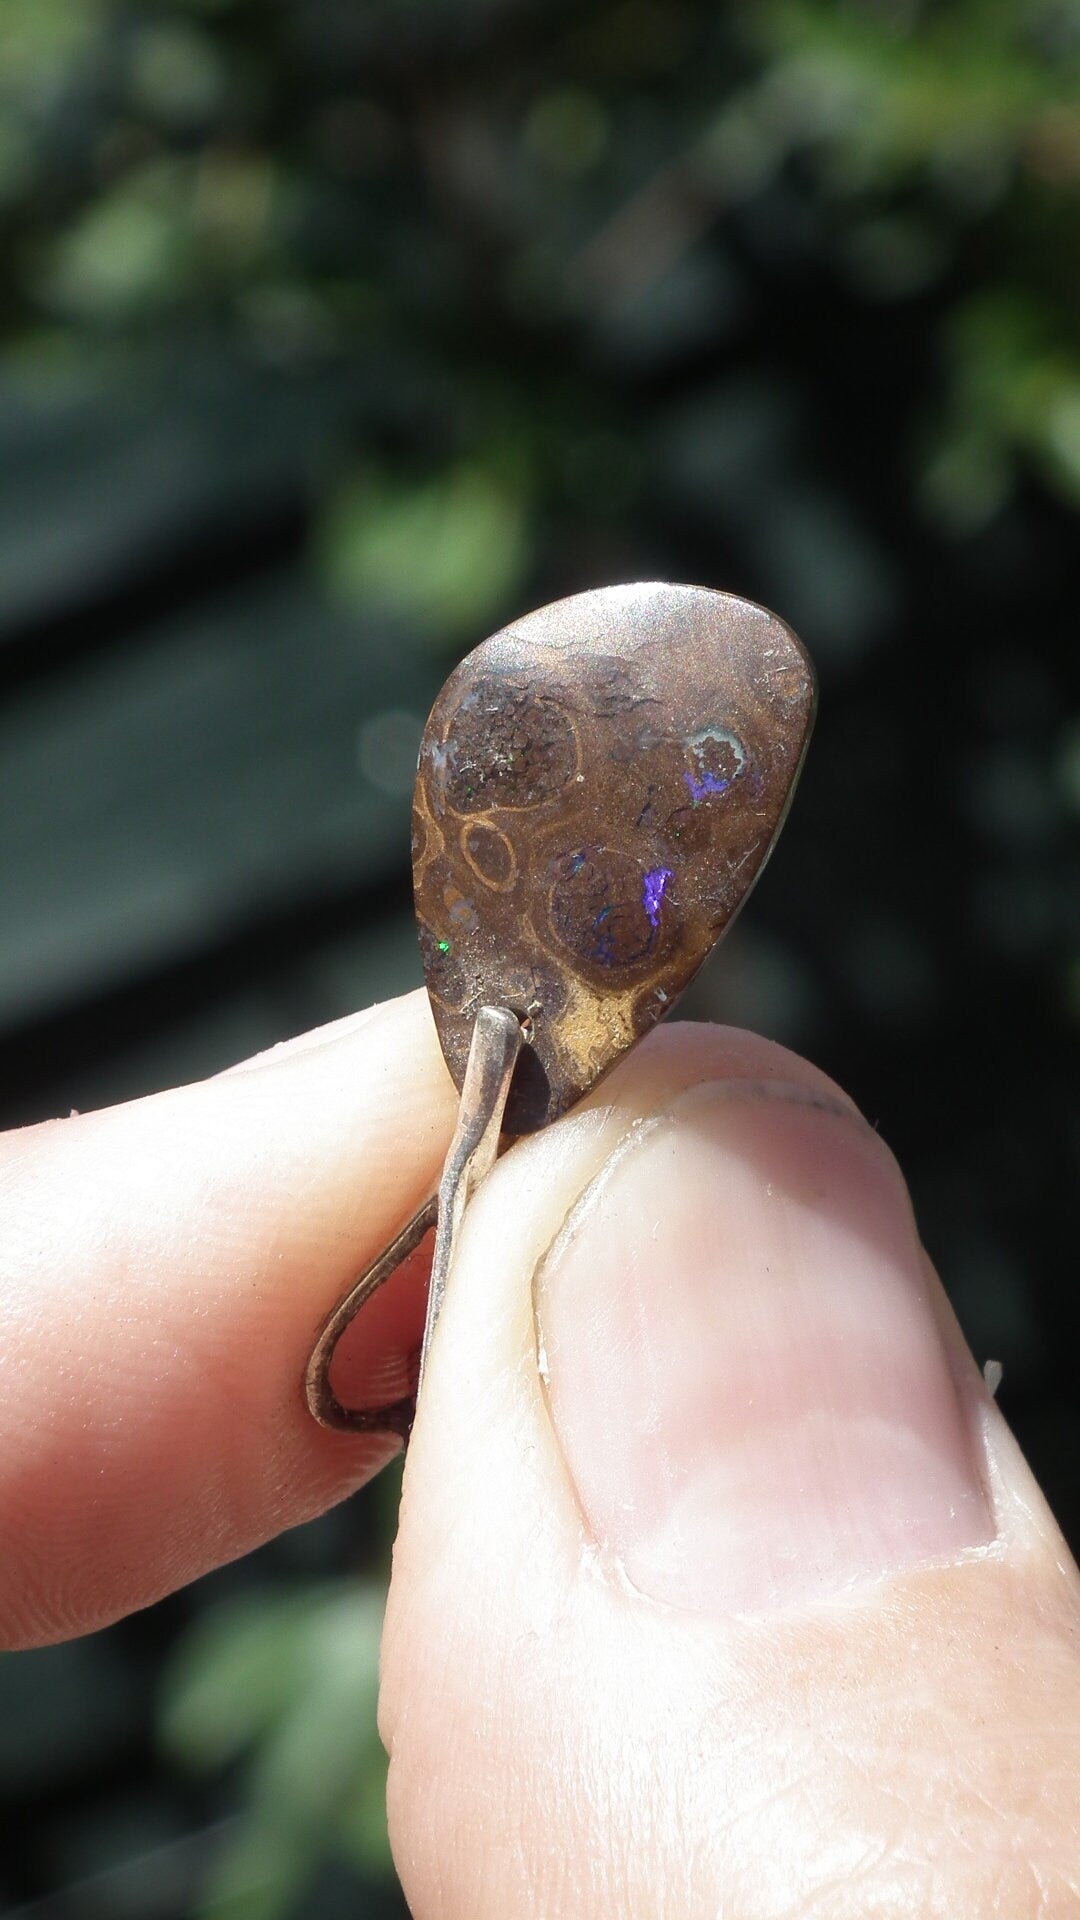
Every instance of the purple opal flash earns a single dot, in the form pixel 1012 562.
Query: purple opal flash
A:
pixel 709 783
pixel 653 892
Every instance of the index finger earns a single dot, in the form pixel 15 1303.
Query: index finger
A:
pixel 164 1268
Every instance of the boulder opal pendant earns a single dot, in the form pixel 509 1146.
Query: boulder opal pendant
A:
pixel 599 786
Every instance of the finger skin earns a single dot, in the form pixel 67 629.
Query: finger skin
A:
pixel 562 1745
pixel 164 1268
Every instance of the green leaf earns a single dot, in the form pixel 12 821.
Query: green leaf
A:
pixel 130 251
pixel 229 1678
pixel 445 553
pixel 291 1680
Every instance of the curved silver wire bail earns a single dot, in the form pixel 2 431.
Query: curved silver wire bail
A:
pixel 497 1039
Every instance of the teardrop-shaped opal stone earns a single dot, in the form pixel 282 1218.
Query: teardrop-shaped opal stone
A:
pixel 599 787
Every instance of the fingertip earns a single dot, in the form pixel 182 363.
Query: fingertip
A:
pixel 168 1265
pixel 706 1516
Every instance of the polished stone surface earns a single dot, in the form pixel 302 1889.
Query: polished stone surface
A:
pixel 599 787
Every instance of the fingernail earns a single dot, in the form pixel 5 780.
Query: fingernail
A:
pixel 744 1360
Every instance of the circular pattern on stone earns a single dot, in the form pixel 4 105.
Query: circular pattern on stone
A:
pixel 490 855
pixel 687 830
pixel 421 842
pixel 604 909
pixel 601 783
pixel 716 759
pixel 506 748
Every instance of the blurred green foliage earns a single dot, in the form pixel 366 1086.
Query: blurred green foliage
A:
pixel 286 1683
pixel 300 177
pixel 443 553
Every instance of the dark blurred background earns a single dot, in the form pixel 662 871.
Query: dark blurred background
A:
pixel 334 334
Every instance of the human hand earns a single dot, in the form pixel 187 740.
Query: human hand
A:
pixel 721 1586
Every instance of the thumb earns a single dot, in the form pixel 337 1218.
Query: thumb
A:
pixel 721 1586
